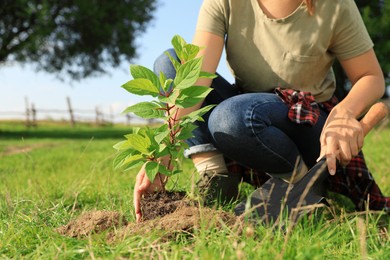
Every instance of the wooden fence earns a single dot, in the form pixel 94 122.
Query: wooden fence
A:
pixel 71 114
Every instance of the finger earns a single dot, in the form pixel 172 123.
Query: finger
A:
pixel 331 155
pixel 360 140
pixel 354 148
pixel 331 162
pixel 146 183
pixel 137 204
pixel 345 155
pixel 138 194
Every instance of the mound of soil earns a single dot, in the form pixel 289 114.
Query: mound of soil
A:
pixel 159 204
pixel 169 214
pixel 92 222
pixel 184 220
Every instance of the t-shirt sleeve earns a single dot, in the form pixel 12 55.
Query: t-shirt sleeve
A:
pixel 212 17
pixel 350 37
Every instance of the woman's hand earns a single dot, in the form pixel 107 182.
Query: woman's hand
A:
pixel 341 139
pixel 144 185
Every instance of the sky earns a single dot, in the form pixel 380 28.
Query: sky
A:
pixel 20 83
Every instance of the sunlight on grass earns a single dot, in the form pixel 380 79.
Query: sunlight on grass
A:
pixel 61 176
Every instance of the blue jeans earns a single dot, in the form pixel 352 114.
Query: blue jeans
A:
pixel 252 129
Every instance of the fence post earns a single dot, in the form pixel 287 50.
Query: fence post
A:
pixel 72 121
pixel 112 115
pixel 97 115
pixel 128 118
pixel 27 112
pixel 33 115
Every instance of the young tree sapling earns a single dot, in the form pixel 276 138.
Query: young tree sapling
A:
pixel 149 145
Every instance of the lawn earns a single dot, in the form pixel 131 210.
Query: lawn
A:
pixel 51 174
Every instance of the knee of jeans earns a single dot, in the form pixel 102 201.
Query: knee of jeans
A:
pixel 221 121
pixel 163 64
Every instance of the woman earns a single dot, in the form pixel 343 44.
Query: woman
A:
pixel 273 48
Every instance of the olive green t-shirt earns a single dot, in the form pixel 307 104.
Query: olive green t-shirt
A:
pixel 293 52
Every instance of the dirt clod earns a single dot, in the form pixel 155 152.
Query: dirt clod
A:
pixel 92 222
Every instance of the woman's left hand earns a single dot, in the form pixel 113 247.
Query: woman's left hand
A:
pixel 341 139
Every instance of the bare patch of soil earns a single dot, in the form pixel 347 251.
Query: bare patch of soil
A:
pixel 168 214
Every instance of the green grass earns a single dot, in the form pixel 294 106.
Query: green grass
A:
pixel 69 171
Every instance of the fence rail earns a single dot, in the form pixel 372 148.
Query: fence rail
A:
pixel 72 115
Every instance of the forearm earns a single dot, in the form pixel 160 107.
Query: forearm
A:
pixel 365 92
pixel 368 84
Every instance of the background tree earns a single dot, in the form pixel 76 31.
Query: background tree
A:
pixel 376 17
pixel 73 37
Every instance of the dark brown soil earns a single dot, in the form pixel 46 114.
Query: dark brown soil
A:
pixel 168 214
pixel 155 205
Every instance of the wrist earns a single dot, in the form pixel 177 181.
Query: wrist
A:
pixel 341 111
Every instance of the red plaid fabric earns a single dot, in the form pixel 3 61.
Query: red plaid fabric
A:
pixel 354 181
pixel 303 107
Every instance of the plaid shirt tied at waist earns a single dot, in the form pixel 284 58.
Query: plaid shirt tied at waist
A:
pixel 355 181
pixel 303 107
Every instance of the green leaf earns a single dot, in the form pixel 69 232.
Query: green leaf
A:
pixel 195 92
pixel 176 172
pixel 118 145
pixel 165 83
pixel 188 73
pixel 162 169
pixel 207 75
pixel 141 87
pixel 141 72
pixel 168 86
pixel 176 64
pixel 132 165
pixel 133 158
pixel 136 130
pixel 190 51
pixel 171 99
pixel 139 143
pixel 163 150
pixel 178 44
pixel 161 133
pixel 118 160
pixel 191 96
pixel 186 132
pixel 145 110
pixel 151 169
pixel 123 145
pixel 196 115
pixel 162 78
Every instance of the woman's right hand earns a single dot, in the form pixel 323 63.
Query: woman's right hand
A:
pixel 144 185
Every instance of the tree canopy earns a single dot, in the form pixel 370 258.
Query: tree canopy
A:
pixel 78 38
